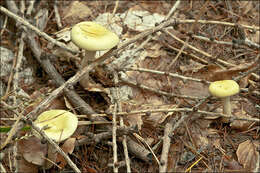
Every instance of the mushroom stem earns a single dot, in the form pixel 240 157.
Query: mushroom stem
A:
pixel 89 57
pixel 226 108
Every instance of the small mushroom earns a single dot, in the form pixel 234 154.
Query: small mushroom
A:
pixel 57 124
pixel 224 89
pixel 92 37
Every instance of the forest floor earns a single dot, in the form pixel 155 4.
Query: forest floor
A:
pixel 146 106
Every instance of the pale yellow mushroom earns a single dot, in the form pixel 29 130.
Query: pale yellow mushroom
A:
pixel 57 124
pixel 92 37
pixel 224 89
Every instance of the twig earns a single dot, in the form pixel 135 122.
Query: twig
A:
pixel 144 142
pixel 30 26
pixel 2 168
pixel 57 15
pixel 249 71
pixel 97 138
pixel 129 82
pixel 188 45
pixel 165 73
pixel 202 10
pixel 204 53
pixel 30 7
pixel 114 127
pixel 114 11
pixel 246 42
pixel 139 151
pixel 124 142
pixel 173 9
pixel 200 112
pixel 18 66
pixel 14 129
pixel 194 57
pixel 4 26
pixel 166 145
pixel 219 23
pixel 66 157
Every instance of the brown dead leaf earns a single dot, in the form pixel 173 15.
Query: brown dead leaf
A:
pixel 232 165
pixel 75 12
pixel 27 167
pixel 67 147
pixel 238 124
pixel 215 73
pixel 195 89
pixel 33 150
pixel 174 156
pixel 247 154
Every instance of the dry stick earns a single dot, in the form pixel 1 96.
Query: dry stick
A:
pixel 115 159
pixel 13 131
pixel 200 60
pixel 4 26
pixel 249 71
pixel 121 121
pixel 9 81
pixel 188 45
pixel 202 113
pixel 187 39
pixel 66 157
pixel 18 66
pixel 173 9
pixel 30 26
pixel 166 146
pixel 157 91
pixel 97 138
pixel 165 73
pixel 30 7
pixel 16 79
pixel 194 57
pixel 2 168
pixel 218 23
pixel 246 42
pixel 57 15
pixel 202 52
pixel 169 130
pixel 114 12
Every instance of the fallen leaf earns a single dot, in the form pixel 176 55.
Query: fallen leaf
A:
pixel 32 150
pixel 27 167
pixel 69 145
pixel 247 154
pixel 76 12
pixel 232 165
pixel 239 124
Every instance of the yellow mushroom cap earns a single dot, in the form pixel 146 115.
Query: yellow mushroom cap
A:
pixel 223 88
pixel 92 36
pixel 57 124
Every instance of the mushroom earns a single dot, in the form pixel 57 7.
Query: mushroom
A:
pixel 92 37
pixel 224 89
pixel 57 124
